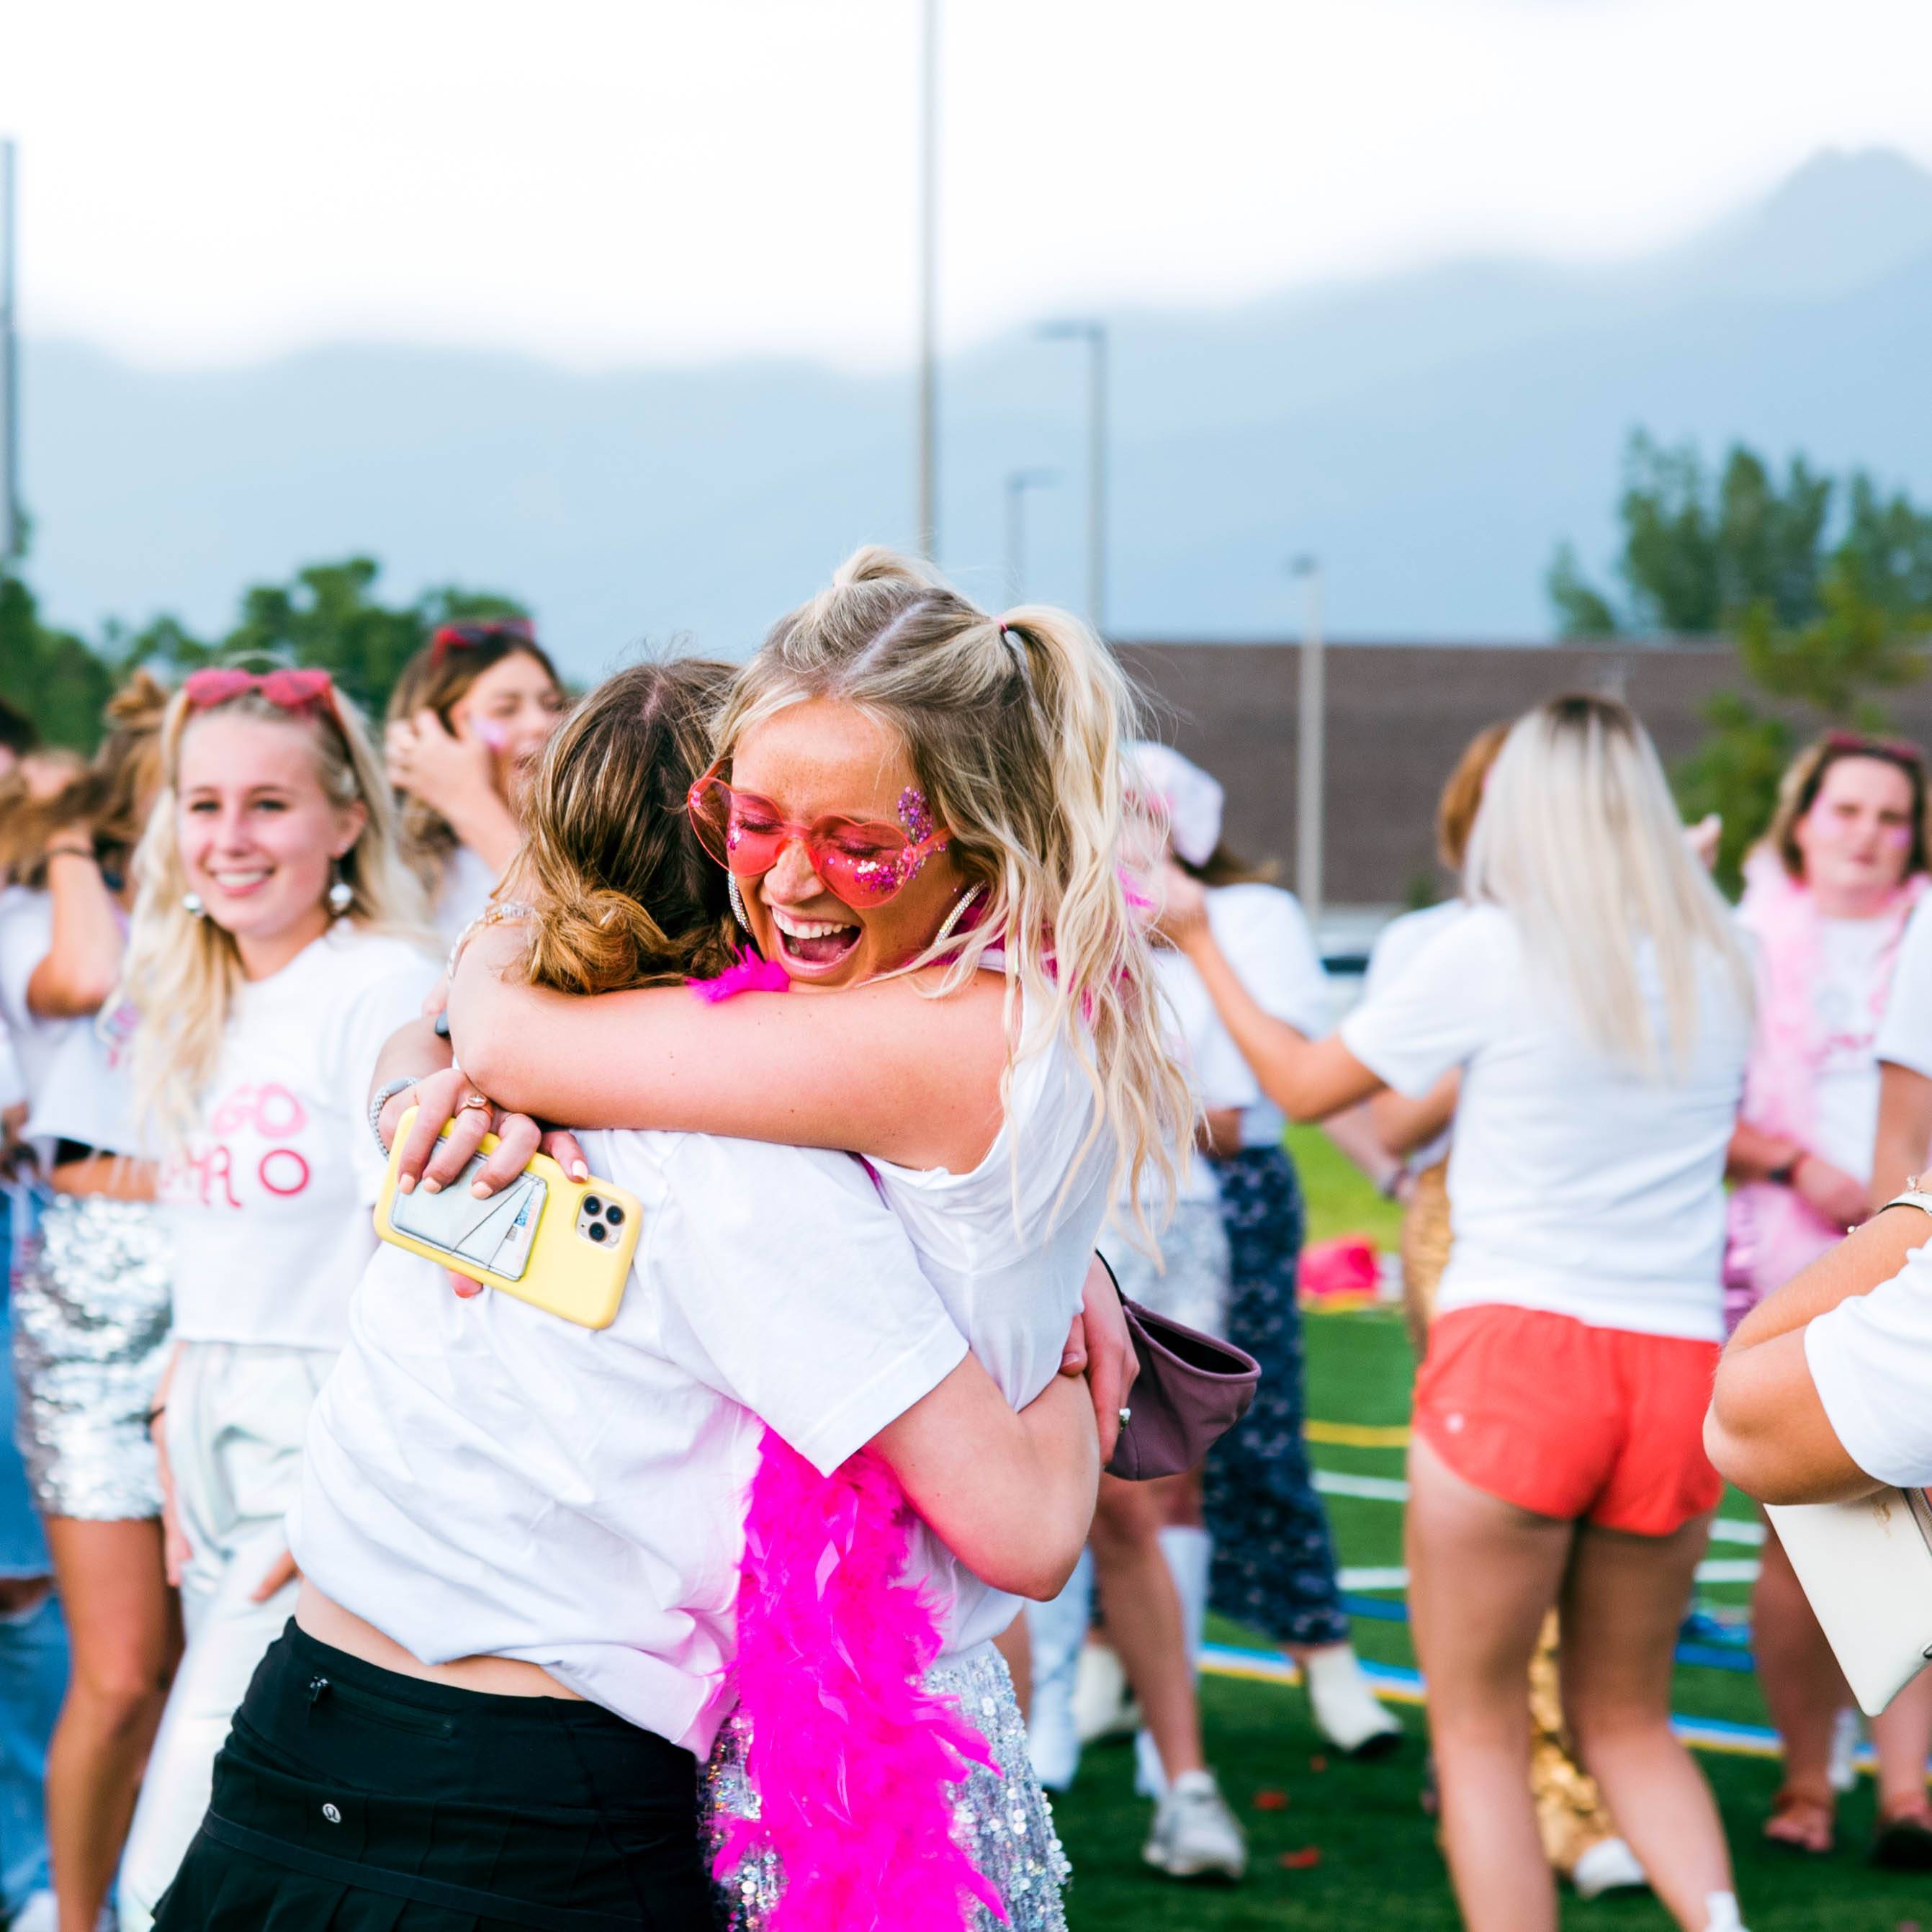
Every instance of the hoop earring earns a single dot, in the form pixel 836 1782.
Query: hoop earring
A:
pixel 341 893
pixel 737 899
pixel 192 904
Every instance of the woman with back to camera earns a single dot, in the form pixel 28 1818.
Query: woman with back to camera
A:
pixel 1598 1004
pixel 278 941
pixel 519 1535
pixel 90 1304
pixel 1827 895
pixel 1002 1094
pixel 466 719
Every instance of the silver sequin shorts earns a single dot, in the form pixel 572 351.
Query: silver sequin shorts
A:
pixel 90 1315
pixel 1194 1285
pixel 1003 1820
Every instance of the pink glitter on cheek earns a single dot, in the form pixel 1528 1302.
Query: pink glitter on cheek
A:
pixel 915 817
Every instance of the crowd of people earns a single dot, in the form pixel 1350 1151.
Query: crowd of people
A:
pixel 336 1594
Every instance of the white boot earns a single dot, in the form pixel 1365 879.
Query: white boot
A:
pixel 1058 1629
pixel 1347 1712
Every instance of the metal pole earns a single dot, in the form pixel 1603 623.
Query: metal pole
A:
pixel 1019 482
pixel 11 534
pixel 927 459
pixel 1096 478
pixel 1312 732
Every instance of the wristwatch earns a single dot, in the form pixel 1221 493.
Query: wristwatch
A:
pixel 1783 1177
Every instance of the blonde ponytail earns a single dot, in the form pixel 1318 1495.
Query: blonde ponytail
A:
pixel 1015 726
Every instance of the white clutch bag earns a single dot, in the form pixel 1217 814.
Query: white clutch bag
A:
pixel 1867 1568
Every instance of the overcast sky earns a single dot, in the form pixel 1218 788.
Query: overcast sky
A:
pixel 610 181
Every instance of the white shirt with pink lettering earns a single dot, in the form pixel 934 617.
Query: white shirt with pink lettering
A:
pixel 271 1202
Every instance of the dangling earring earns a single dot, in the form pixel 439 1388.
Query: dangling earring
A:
pixel 191 905
pixel 953 918
pixel 341 893
pixel 737 899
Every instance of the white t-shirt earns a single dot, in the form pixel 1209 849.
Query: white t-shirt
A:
pixel 1870 1359
pixel 1581 1187
pixel 1905 1033
pixel 1009 1270
pixel 468 880
pixel 1845 1119
pixel 78 1073
pixel 1404 938
pixel 269 1208
pixel 484 1479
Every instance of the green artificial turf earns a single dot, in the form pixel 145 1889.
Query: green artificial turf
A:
pixel 1377 1867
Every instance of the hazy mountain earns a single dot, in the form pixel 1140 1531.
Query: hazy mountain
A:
pixel 1431 435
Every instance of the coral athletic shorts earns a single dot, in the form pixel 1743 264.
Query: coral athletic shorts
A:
pixel 1571 1421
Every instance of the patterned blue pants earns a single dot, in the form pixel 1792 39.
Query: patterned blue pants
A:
pixel 1274 1558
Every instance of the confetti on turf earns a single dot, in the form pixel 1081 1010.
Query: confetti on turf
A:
pixel 1270 1801
pixel 1307 1859
pixel 1318 1763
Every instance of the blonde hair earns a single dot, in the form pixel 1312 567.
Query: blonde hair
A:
pixel 109 793
pixel 1015 726
pixel 181 973
pixel 624 894
pixel 1578 840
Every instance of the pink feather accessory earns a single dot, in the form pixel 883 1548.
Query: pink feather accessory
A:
pixel 750 973
pixel 853 1760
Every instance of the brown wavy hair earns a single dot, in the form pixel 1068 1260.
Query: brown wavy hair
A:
pixel 624 894
pixel 109 794
pixel 1462 793
pixel 438 679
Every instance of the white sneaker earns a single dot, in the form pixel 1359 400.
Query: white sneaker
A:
pixel 1195 1835
pixel 1102 1706
pixel 1609 1865
pixel 37 1914
pixel 1347 1712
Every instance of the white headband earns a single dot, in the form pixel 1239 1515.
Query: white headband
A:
pixel 1192 800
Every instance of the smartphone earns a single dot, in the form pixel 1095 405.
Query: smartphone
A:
pixel 563 1245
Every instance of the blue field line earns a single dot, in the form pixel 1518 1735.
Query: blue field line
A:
pixel 1402 1686
pixel 1704 1656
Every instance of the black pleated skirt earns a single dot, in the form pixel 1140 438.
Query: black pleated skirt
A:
pixel 349 1799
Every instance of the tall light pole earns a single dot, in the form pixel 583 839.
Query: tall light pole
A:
pixel 1094 335
pixel 927 489
pixel 1311 747
pixel 1019 482
pixel 12 536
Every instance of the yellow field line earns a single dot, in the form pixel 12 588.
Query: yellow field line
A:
pixel 1357 1435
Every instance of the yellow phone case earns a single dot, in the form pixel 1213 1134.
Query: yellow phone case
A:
pixel 567 1273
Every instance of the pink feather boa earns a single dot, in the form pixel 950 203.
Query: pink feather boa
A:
pixel 853 1760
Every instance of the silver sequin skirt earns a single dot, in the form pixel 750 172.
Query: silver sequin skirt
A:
pixel 90 1315
pixel 1004 1821
pixel 1194 1282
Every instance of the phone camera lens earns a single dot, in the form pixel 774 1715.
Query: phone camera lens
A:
pixel 596 1230
pixel 614 1215
pixel 591 1205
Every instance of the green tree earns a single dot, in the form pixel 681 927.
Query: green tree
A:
pixel 51 675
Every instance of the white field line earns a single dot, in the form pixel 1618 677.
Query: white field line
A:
pixel 1392 1489
pixel 1720 1570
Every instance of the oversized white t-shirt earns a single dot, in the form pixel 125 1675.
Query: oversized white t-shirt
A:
pixel 1845 1097
pixel 484 1479
pixel 270 1205
pixel 1905 1033
pixel 1581 1187
pixel 468 880
pixel 1870 1359
pixel 1404 938
pixel 78 1073
pixel 1009 1266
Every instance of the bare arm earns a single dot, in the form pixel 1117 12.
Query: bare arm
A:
pixel 1755 1155
pixel 1767 1430
pixel 83 958
pixel 1011 1496
pixel 1904 1129
pixel 1403 1125
pixel 1307 1079
pixel 882 1069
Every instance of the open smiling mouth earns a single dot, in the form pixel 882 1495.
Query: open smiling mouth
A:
pixel 817 943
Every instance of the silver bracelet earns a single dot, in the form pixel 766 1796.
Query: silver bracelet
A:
pixel 384 1096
